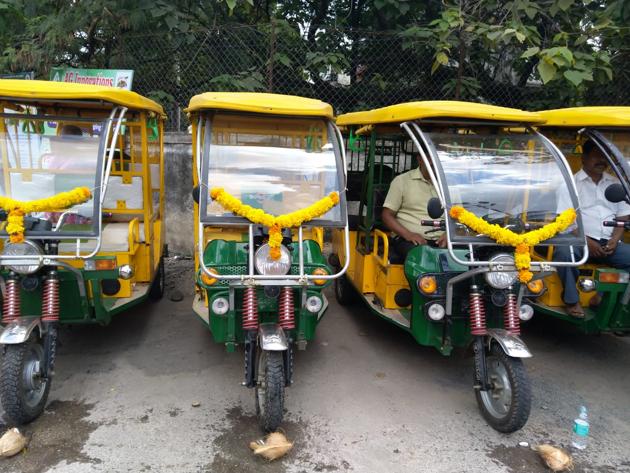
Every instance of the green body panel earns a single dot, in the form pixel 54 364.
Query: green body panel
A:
pixel 422 260
pixel 610 316
pixel 230 257
pixel 454 330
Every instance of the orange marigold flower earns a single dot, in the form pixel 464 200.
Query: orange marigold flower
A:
pixel 522 248
pixel 456 211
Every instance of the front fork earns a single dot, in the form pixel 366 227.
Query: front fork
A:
pixel 479 331
pixel 250 324
pixel 49 318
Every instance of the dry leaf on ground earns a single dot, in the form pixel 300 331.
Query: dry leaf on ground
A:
pixel 272 447
pixel 556 458
pixel 12 443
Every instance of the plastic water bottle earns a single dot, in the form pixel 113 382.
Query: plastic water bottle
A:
pixel 580 430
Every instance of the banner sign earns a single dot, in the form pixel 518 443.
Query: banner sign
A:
pixel 120 78
pixel 19 75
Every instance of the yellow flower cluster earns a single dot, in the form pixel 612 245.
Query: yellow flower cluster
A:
pixel 521 243
pixel 17 209
pixel 275 224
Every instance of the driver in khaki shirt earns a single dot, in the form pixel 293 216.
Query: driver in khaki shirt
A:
pixel 404 207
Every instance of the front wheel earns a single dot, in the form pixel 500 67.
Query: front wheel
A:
pixel 345 293
pixel 23 391
pixel 506 405
pixel 270 390
pixel 159 282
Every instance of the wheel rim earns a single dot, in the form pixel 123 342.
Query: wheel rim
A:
pixel 34 387
pixel 261 383
pixel 498 399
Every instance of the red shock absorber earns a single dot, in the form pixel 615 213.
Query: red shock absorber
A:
pixel 287 310
pixel 477 312
pixel 50 299
pixel 11 305
pixel 250 309
pixel 511 320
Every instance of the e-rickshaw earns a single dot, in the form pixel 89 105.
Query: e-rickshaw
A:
pixel 81 211
pixel 495 181
pixel 268 177
pixel 609 129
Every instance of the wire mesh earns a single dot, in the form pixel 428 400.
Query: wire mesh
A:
pixel 352 70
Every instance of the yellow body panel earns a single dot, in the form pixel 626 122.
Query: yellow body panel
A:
pixel 389 280
pixel 438 109
pixel 48 90
pixel 368 273
pixel 553 296
pixel 253 102
pixel 364 277
pixel 587 116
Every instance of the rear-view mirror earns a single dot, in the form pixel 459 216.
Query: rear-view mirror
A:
pixel 434 208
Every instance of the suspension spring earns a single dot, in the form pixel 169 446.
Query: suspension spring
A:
pixel 50 299
pixel 511 320
pixel 477 313
pixel 287 311
pixel 250 309
pixel 11 305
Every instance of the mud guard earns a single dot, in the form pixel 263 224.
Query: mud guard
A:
pixel 271 337
pixel 512 345
pixel 20 330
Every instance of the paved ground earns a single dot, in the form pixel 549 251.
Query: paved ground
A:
pixel 366 399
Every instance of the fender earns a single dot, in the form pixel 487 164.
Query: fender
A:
pixel 512 345
pixel 20 330
pixel 271 337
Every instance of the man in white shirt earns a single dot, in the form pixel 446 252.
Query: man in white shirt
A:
pixel 604 243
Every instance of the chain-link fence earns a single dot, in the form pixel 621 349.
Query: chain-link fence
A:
pixel 352 70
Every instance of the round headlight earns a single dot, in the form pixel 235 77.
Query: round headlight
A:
pixel 526 312
pixel 268 266
pixel 220 306
pixel 314 304
pixel 436 312
pixel 26 248
pixel 501 279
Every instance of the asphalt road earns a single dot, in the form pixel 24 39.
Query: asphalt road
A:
pixel 366 398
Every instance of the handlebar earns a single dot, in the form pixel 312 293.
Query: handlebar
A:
pixel 439 224
pixel 617 223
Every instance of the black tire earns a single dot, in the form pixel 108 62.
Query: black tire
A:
pixel 345 293
pixel 505 410
pixel 269 390
pixel 159 282
pixel 22 392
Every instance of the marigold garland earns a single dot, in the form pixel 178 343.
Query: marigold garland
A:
pixel 521 243
pixel 275 224
pixel 17 209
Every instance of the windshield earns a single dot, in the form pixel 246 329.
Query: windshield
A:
pixel 621 139
pixel 40 158
pixel 279 165
pixel 507 179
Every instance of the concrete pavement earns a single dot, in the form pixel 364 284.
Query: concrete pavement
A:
pixel 366 398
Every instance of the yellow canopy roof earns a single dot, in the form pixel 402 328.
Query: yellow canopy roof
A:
pixel 587 116
pixel 256 102
pixel 48 90
pixel 437 109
